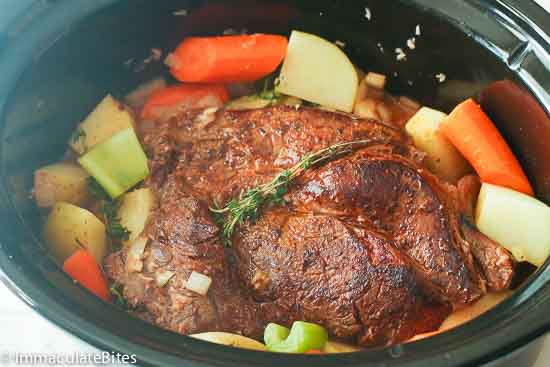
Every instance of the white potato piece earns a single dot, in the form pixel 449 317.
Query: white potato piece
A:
pixel 466 314
pixel 232 340
pixel 516 221
pixel 442 158
pixel 108 118
pixel 337 347
pixel 318 71
pixel 68 227
pixel 61 182
pixel 135 210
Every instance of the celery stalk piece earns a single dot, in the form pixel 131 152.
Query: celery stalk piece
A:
pixel 304 336
pixel 275 333
pixel 118 163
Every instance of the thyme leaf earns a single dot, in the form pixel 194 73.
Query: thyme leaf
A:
pixel 268 92
pixel 248 205
pixel 115 230
pixel 116 291
pixel 97 191
pixel 109 208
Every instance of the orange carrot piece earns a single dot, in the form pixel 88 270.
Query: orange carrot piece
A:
pixel 187 94
pixel 472 132
pixel 82 267
pixel 227 59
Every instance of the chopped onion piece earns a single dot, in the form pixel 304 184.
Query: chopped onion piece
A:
pixel 384 112
pixel 198 283
pixel 134 261
pixel 163 276
pixel 376 80
pixel 366 108
pixel 206 117
pixel 409 103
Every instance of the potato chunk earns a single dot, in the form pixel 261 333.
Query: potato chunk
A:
pixel 332 347
pixel 443 158
pixel 61 182
pixel 135 210
pixel 108 118
pixel 68 227
pixel 318 71
pixel 517 221
pixel 232 340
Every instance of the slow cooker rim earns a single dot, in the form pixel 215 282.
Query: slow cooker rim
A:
pixel 58 313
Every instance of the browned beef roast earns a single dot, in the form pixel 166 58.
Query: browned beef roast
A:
pixel 369 245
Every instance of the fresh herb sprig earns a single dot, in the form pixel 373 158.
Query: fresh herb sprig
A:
pixel 115 230
pixel 116 290
pixel 269 92
pixel 109 208
pixel 247 206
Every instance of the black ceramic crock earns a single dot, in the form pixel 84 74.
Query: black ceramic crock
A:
pixel 61 57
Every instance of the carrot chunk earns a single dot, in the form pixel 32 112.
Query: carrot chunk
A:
pixel 227 59
pixel 184 95
pixel 82 267
pixel 472 132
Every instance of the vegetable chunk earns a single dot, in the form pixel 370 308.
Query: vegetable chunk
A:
pixel 302 337
pixel 442 157
pixel 476 137
pixel 517 221
pixel 227 59
pixel 135 210
pixel 61 182
pixel 318 71
pixel 117 164
pixel 233 340
pixel 108 118
pixel 170 100
pixel 68 228
pixel 83 267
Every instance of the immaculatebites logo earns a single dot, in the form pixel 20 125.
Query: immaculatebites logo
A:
pixel 18 358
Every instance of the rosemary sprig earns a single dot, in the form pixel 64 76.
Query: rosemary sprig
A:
pixel 248 204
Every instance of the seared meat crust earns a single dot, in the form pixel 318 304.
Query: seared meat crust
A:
pixel 369 245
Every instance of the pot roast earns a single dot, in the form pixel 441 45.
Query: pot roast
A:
pixel 370 245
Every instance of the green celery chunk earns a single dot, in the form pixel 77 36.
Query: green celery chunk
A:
pixel 304 336
pixel 275 333
pixel 118 163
